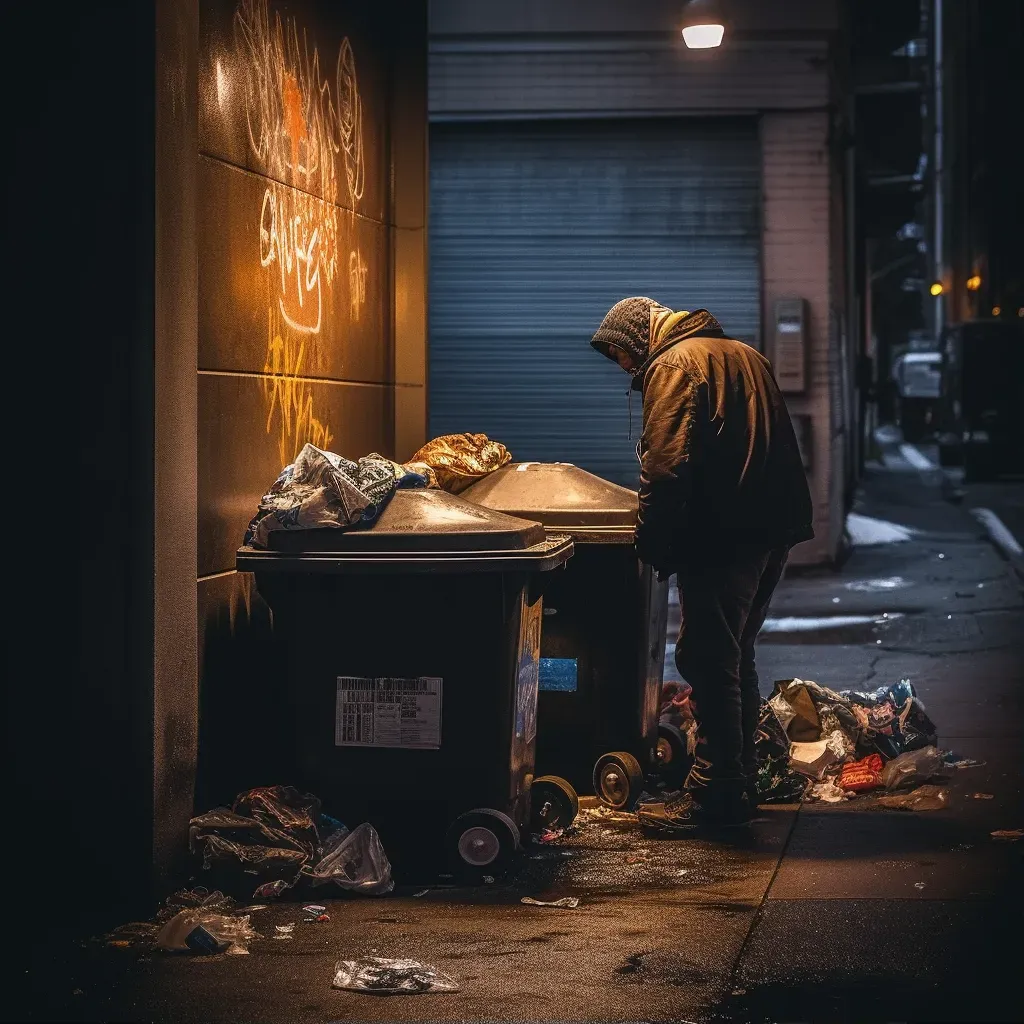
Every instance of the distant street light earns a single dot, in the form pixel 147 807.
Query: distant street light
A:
pixel 936 288
pixel 974 283
pixel 997 310
pixel 703 24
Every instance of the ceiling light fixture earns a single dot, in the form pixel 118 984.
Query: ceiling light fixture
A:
pixel 703 24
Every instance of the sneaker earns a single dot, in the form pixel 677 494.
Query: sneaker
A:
pixel 684 814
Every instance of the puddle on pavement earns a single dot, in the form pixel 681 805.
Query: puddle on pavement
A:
pixel 827 629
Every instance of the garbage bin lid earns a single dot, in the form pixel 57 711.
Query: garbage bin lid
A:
pixel 563 497
pixel 419 529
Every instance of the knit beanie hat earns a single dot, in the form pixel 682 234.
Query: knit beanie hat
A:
pixel 627 326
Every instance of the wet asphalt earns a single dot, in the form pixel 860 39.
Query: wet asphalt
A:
pixel 832 913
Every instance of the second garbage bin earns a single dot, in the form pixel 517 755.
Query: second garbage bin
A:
pixel 411 671
pixel 603 637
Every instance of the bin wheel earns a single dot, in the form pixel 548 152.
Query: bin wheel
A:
pixel 618 780
pixel 481 841
pixel 671 761
pixel 553 803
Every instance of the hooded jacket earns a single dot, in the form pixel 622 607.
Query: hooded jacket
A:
pixel 719 461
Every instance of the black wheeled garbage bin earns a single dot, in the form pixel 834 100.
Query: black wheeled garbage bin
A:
pixel 412 668
pixel 603 640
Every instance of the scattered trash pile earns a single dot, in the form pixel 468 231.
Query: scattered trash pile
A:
pixel 272 839
pixel 275 838
pixel 819 744
pixel 323 489
pixel 191 921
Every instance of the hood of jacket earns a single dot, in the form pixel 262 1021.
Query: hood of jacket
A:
pixel 643 328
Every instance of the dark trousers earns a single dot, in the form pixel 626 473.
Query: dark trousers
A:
pixel 724 596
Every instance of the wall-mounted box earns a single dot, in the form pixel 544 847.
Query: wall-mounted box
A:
pixel 790 348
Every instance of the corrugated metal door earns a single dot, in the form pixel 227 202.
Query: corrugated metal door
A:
pixel 536 230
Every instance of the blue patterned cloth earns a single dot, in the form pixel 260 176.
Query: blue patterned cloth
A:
pixel 323 489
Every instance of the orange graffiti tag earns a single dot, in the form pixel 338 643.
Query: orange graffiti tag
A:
pixel 290 397
pixel 294 122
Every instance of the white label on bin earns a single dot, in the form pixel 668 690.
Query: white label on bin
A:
pixel 388 712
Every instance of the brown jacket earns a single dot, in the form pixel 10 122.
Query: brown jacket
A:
pixel 719 458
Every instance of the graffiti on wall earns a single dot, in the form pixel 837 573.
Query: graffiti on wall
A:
pixel 288 392
pixel 305 127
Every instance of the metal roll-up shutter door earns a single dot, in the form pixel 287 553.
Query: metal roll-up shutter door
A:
pixel 536 230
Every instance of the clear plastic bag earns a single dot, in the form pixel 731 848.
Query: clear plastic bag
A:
pixel 196 930
pixel 924 798
pixel 353 860
pixel 391 977
pixel 912 767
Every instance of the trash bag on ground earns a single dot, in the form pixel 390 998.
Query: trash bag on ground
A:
pixel 770 738
pixel 805 725
pixel 322 489
pixel 893 719
pixel 924 798
pixel 912 768
pixel 458 460
pixel 918 729
pixel 276 837
pixel 775 782
pixel 382 976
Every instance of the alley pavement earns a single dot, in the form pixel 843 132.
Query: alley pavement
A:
pixel 832 913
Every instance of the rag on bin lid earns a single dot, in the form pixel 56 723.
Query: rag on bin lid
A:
pixel 324 489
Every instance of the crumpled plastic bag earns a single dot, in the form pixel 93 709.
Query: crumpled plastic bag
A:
pixel 782 708
pixel 913 767
pixel 458 460
pixel 355 861
pixel 828 791
pixel 382 976
pixel 924 798
pixel 202 923
pixel 323 489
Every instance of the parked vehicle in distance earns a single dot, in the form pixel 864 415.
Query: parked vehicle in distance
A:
pixel 918 377
pixel 982 405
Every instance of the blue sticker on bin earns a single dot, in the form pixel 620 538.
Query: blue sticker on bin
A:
pixel 558 674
